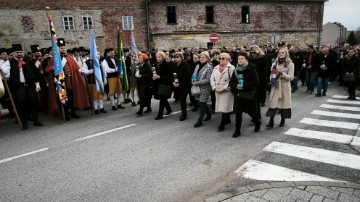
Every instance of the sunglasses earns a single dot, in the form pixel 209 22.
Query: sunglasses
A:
pixel 222 58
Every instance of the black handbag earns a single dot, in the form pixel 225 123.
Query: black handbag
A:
pixel 164 91
pixel 246 95
pixel 349 78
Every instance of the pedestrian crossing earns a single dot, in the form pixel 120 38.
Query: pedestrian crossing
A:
pixel 311 147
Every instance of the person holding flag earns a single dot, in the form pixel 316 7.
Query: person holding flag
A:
pixel 91 68
pixel 122 67
pixel 111 65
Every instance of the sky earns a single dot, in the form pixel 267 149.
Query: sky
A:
pixel 345 12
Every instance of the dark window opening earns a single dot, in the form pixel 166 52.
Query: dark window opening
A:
pixel 209 14
pixel 245 14
pixel 171 15
pixel 278 14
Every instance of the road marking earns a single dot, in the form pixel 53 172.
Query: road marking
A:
pixel 344 101
pixel 105 132
pixel 313 134
pixel 315 154
pixel 343 97
pixel 257 170
pixel 177 112
pixel 355 142
pixel 22 155
pixel 336 114
pixel 356 109
pixel 333 124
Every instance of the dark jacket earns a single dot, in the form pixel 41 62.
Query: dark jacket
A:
pixel 164 71
pixel 262 68
pixel 350 65
pixel 31 73
pixel 183 72
pixel 144 83
pixel 314 62
pixel 329 62
pixel 251 81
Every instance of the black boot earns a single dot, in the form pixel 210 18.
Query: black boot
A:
pixel 271 123
pixel 257 126
pixel 237 133
pixel 282 122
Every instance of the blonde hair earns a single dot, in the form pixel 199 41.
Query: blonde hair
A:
pixel 257 50
pixel 287 57
pixel 161 54
pixel 226 55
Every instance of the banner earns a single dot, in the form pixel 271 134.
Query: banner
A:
pixel 58 69
pixel 122 67
pixel 94 60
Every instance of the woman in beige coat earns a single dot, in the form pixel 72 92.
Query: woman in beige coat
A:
pixel 280 94
pixel 219 80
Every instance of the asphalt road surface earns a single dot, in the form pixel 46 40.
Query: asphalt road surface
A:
pixel 120 156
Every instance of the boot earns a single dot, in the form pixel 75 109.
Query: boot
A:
pixel 271 123
pixel 198 124
pixel 237 133
pixel 282 122
pixel 257 126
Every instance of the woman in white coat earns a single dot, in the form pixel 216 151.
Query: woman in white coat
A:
pixel 280 94
pixel 219 80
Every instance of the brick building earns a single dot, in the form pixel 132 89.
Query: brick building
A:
pixel 162 24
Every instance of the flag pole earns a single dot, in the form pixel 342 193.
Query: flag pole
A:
pixel 47 8
pixel 13 103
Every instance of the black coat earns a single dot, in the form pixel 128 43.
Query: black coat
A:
pixel 144 83
pixel 183 72
pixel 251 81
pixel 31 73
pixel 164 71
pixel 315 63
pixel 350 65
pixel 329 62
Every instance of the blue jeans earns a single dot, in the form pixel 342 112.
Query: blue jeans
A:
pixel 310 80
pixel 322 84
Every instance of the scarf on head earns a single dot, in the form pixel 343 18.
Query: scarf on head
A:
pixel 222 67
pixel 240 68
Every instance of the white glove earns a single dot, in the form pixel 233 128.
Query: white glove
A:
pixel 37 87
pixel 91 71
pixel 105 81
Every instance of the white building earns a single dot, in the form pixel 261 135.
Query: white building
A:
pixel 333 33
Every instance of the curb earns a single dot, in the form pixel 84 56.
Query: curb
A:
pixel 247 189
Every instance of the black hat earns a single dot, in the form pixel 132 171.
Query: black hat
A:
pixel 81 48
pixel 69 51
pixel 16 47
pixel 48 50
pixel 35 48
pixel 126 50
pixel 281 43
pixel 109 49
pixel 60 42
pixel 9 51
pixel 2 50
pixel 43 51
pixel 75 50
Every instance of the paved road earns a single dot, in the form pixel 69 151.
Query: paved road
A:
pixel 122 157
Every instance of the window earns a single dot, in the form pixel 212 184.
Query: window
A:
pixel 87 22
pixel 127 22
pixel 278 14
pixel 245 14
pixel 209 14
pixel 171 15
pixel 68 22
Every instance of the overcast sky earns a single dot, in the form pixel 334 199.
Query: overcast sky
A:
pixel 345 12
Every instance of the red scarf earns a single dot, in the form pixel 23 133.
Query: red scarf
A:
pixel 222 67
pixel 21 63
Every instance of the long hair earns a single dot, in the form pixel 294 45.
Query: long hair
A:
pixel 287 57
pixel 259 53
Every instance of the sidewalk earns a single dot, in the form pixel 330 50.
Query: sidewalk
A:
pixel 292 191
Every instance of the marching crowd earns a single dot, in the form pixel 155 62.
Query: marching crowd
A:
pixel 236 79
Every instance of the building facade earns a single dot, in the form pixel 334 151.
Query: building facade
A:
pixel 333 34
pixel 162 24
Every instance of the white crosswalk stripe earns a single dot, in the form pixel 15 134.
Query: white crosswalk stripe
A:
pixel 333 124
pixel 253 169
pixel 258 170
pixel 336 114
pixel 327 106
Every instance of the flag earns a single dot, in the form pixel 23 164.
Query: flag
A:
pixel 96 65
pixel 133 49
pixel 58 70
pixel 122 67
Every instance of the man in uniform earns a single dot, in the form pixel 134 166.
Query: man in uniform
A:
pixel 36 55
pixel 111 64
pixel 25 78
pixel 75 85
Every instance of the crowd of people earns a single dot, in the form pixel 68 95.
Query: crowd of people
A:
pixel 236 79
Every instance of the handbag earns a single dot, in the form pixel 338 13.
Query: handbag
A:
pixel 349 78
pixel 246 95
pixel 164 91
pixel 195 90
